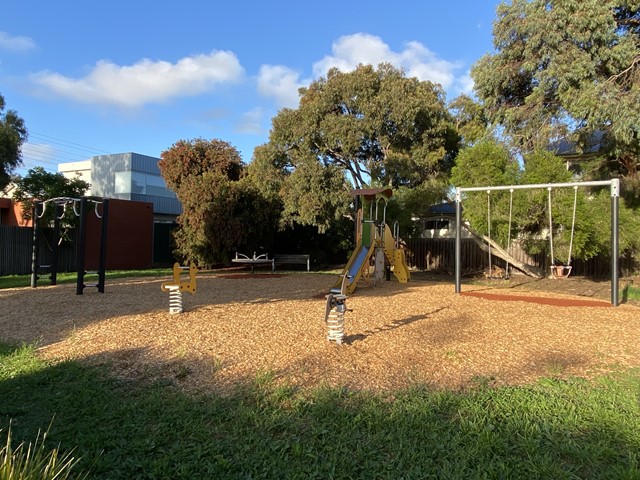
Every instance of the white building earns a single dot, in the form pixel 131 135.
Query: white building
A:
pixel 128 176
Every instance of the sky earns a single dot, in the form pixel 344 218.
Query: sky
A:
pixel 92 78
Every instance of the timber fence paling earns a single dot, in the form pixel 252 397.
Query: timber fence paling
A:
pixel 16 250
pixel 438 254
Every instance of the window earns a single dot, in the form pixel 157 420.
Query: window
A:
pixel 141 183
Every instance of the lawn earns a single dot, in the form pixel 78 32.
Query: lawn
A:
pixel 552 429
pixel 16 281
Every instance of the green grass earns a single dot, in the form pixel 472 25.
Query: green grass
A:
pixel 34 461
pixel 14 281
pixel 554 429
pixel 631 293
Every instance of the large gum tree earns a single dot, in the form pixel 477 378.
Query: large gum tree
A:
pixel 368 127
pixel 567 69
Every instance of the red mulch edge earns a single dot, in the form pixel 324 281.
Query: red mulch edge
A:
pixel 244 276
pixel 555 302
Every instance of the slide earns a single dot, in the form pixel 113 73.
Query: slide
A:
pixel 359 259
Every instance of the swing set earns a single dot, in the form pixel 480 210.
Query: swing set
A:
pixel 557 271
pixel 60 205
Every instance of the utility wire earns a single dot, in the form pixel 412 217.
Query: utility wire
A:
pixel 49 151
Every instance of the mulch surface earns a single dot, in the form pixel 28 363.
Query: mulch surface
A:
pixel 235 329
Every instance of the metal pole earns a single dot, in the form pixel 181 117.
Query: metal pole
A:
pixel 458 267
pixel 103 245
pixel 80 247
pixel 35 245
pixel 615 198
pixel 538 185
pixel 59 211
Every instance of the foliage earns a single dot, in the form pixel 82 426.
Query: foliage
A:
pixel 470 120
pixel 406 203
pixel 266 429
pixel 240 219
pixel 222 212
pixel 13 134
pixel 488 163
pixel 368 127
pixel 40 185
pixel 566 69
pixel 371 123
pixel 484 164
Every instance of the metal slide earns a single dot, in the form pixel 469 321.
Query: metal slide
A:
pixel 359 259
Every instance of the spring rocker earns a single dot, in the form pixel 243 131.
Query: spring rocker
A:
pixel 176 286
pixel 334 311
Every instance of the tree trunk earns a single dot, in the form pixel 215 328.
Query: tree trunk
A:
pixel 482 241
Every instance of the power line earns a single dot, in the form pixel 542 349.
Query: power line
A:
pixel 67 143
pixel 52 150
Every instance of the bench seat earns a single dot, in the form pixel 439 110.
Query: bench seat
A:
pixel 292 259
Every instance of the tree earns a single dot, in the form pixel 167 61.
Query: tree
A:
pixel 40 185
pixel 187 158
pixel 470 120
pixel 377 125
pixel 566 69
pixel 222 211
pixel 13 134
pixel 489 163
pixel 368 127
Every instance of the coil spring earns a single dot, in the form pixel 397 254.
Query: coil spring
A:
pixel 335 323
pixel 175 299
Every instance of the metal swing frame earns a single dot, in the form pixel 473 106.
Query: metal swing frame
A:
pixel 614 186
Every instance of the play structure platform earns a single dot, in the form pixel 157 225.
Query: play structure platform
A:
pixel 377 247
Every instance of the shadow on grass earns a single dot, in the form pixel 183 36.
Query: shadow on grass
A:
pixel 123 430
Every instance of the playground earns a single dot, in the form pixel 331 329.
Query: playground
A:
pixel 240 326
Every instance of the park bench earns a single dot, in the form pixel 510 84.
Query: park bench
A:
pixel 292 259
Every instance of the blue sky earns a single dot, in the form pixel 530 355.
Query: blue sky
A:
pixel 108 77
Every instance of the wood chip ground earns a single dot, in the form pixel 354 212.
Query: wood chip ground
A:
pixel 237 328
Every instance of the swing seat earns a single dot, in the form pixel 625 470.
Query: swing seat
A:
pixel 560 271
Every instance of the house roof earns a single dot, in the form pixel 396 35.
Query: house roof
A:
pixel 447 208
pixel 371 193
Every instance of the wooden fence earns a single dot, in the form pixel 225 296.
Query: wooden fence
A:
pixel 438 254
pixel 435 254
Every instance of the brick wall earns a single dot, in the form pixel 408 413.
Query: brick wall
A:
pixel 129 238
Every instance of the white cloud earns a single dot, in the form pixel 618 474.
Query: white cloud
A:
pixel 465 83
pixel 361 48
pixel 416 60
pixel 146 81
pixel 281 83
pixel 252 121
pixel 16 44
